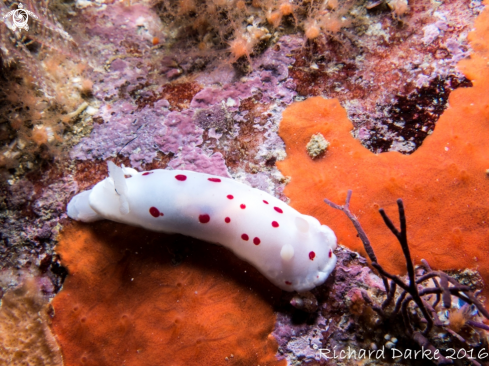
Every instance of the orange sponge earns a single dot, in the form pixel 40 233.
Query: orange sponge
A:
pixel 444 184
pixel 133 297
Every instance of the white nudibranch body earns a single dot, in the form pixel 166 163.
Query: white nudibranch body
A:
pixel 294 251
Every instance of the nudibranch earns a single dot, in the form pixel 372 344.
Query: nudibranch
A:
pixel 294 251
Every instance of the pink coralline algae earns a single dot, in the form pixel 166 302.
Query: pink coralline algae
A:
pixel 194 159
pixel 139 134
pixel 140 121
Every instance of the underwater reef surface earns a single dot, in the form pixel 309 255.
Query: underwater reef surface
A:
pixel 206 86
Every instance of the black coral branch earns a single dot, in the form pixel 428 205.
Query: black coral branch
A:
pixel 445 287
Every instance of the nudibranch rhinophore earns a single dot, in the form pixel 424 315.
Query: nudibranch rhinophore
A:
pixel 294 251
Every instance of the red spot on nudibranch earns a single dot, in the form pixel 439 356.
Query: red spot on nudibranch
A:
pixel 230 196
pixel 330 253
pixel 180 177
pixel 154 212
pixel 227 220
pixel 243 206
pixel 265 202
pixel 245 237
pixel 312 255
pixel 288 283
pixel 278 209
pixel 275 224
pixel 256 241
pixel 147 173
pixel 204 219
pixel 161 214
pixel 215 180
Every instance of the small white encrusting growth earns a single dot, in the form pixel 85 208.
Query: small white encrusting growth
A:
pixel 294 251
pixel 317 145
